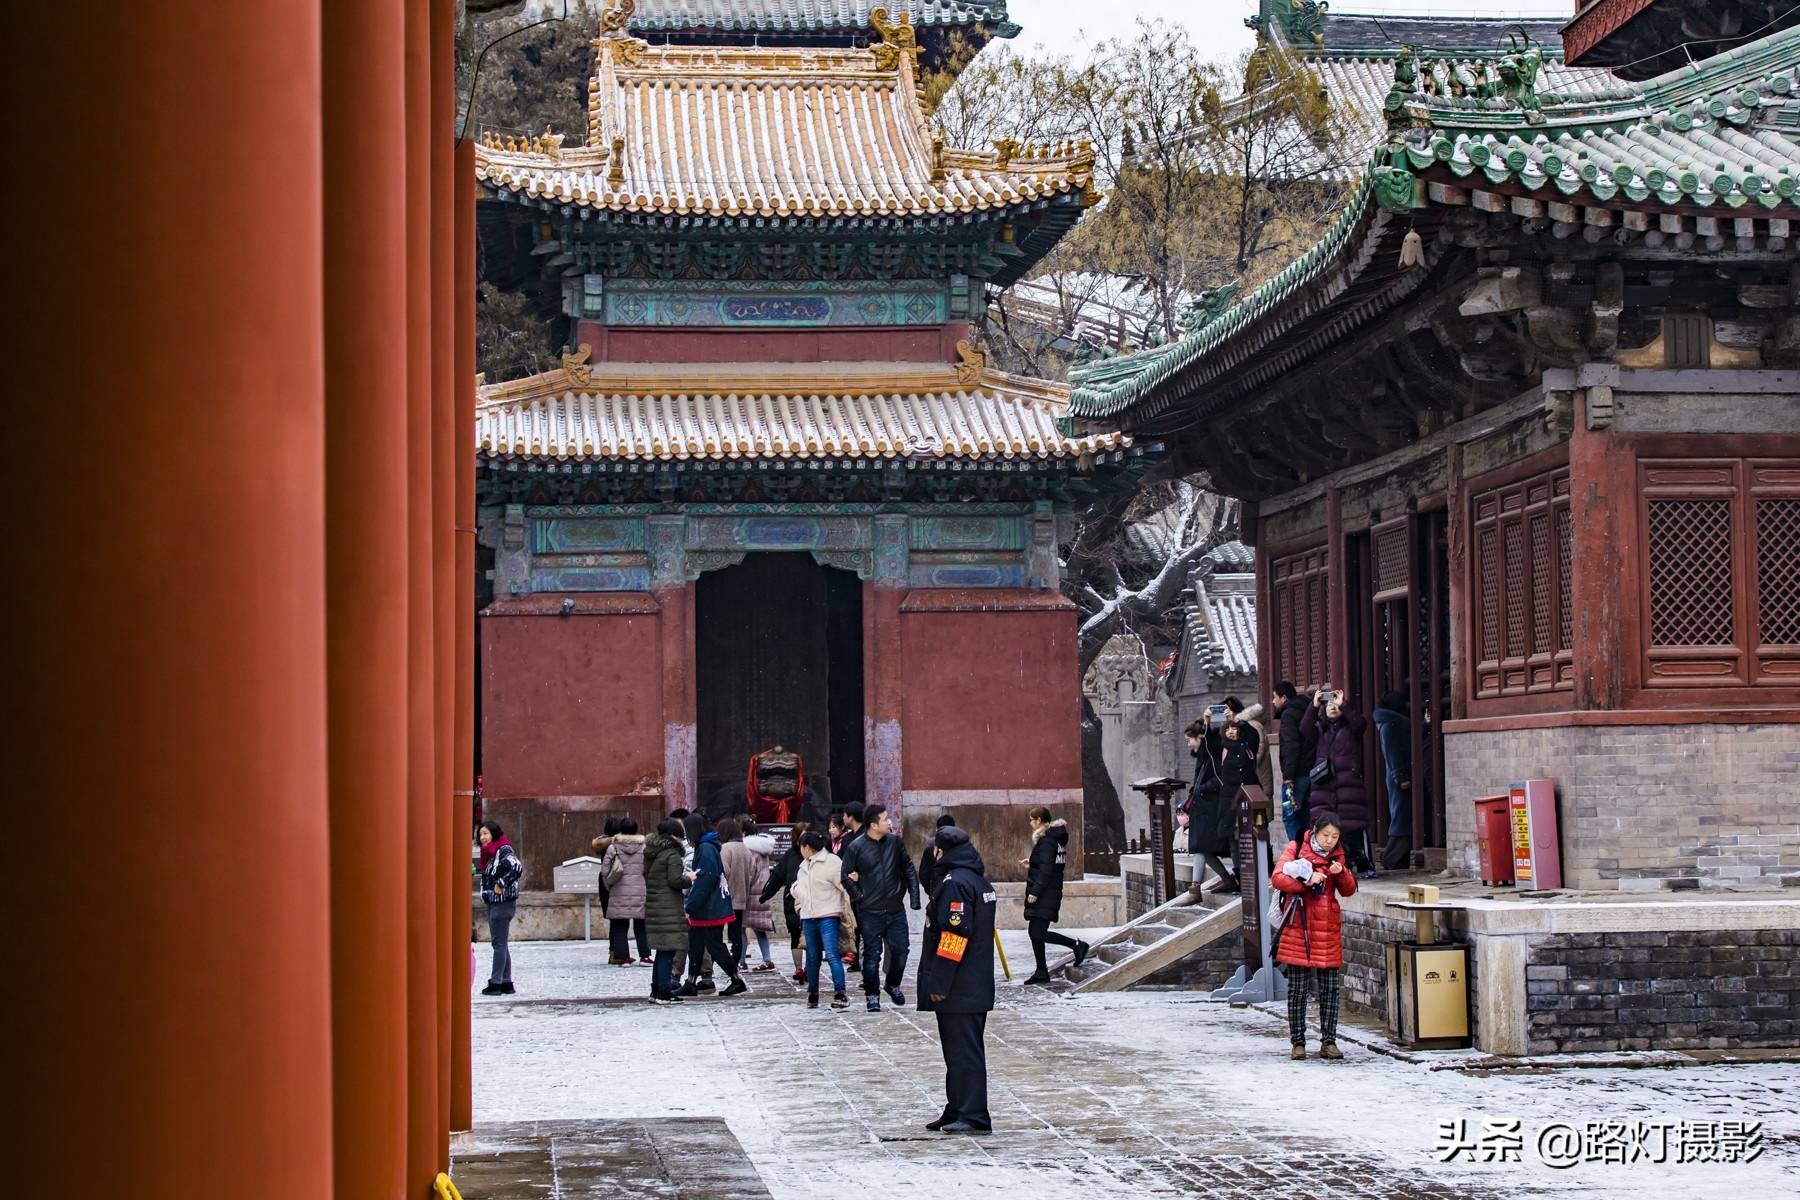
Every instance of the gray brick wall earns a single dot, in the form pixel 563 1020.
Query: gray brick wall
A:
pixel 1203 970
pixel 1645 806
pixel 1715 989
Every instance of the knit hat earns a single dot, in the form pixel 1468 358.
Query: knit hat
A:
pixel 950 836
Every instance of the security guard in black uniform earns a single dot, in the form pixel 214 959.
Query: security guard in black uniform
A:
pixel 956 979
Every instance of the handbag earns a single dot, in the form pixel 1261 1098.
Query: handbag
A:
pixel 1281 907
pixel 1321 772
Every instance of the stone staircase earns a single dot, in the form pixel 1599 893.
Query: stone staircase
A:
pixel 1153 941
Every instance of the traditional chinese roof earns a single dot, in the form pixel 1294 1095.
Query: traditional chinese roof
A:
pixel 1218 632
pixel 1714 139
pixel 654 412
pixel 835 16
pixel 788 133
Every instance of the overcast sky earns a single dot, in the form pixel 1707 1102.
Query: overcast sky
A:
pixel 1064 26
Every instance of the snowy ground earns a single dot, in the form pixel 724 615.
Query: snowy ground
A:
pixel 1110 1095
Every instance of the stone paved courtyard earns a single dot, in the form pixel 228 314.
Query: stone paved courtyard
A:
pixel 1131 1094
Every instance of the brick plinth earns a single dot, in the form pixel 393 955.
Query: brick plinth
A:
pixel 1644 806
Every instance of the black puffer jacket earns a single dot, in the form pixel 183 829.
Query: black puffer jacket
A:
pixel 1297 749
pixel 884 874
pixel 959 978
pixel 1044 872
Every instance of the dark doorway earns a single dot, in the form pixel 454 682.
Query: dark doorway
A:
pixel 1398 581
pixel 778 640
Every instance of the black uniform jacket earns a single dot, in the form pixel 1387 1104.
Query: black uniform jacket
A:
pixel 957 960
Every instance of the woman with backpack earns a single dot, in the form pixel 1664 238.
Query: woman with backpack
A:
pixel 709 914
pixel 1311 874
pixel 622 871
pixel 500 872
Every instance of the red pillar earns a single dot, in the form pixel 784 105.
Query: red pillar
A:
pixel 424 946
pixel 166 702
pixel 680 706
pixel 447 462
pixel 461 1110
pixel 1602 499
pixel 881 695
pixel 365 571
pixel 1457 555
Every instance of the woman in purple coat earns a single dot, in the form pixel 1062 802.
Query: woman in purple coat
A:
pixel 1338 785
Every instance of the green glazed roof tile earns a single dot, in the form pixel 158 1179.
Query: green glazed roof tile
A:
pixel 1704 134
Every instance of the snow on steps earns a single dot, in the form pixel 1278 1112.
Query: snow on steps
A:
pixel 1153 941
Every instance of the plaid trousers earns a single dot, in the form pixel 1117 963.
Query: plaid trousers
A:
pixel 1327 983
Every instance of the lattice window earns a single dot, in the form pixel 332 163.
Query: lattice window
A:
pixel 1565 557
pixel 1298 585
pixel 1721 593
pixel 1487 542
pixel 1519 580
pixel 1690 573
pixel 1778 571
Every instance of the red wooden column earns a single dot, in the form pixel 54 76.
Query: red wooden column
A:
pixel 1602 499
pixel 882 781
pixel 667 536
pixel 461 1101
pixel 166 701
pixel 448 461
pixel 1456 519
pixel 423 948
pixel 1265 625
pixel 365 571
pixel 1337 600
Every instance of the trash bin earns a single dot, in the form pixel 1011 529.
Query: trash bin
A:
pixel 1428 980
pixel 1494 838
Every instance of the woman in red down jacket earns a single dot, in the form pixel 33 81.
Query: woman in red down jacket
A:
pixel 1312 874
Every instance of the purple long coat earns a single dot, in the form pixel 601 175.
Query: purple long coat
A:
pixel 1341 742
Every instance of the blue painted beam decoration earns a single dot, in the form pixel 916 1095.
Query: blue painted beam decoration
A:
pixel 704 303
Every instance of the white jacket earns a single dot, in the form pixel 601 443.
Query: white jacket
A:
pixel 819 890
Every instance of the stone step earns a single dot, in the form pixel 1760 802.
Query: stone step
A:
pixel 1145 935
pixel 1118 952
pixel 1126 968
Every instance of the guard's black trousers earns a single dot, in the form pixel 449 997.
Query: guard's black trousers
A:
pixel 962 1036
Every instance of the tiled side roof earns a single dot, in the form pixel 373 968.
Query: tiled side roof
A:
pixel 1353 32
pixel 1219 634
pixel 1357 87
pixel 793 132
pixel 627 411
pixel 786 15
pixel 1724 133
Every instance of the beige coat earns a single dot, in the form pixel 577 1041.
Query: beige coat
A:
pixel 819 891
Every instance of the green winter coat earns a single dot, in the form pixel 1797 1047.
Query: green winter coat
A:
pixel 663 892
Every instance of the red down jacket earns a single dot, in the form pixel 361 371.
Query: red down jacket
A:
pixel 1314 934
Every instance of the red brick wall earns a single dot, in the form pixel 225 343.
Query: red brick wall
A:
pixel 991 698
pixel 571 705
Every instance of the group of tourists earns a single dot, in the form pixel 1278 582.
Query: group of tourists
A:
pixel 1325 813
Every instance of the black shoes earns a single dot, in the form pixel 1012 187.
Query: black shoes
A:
pixel 1081 953
pixel 963 1127
pixel 506 989
pixel 839 1000
pixel 705 984
pixel 1039 977
pixel 812 999
pixel 493 989
pixel 738 987
pixel 687 989
pixel 938 1124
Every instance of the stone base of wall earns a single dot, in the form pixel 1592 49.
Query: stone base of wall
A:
pixel 1565 972
pixel 1598 972
pixel 545 917
pixel 1134 870
pixel 1644 806
pixel 1091 902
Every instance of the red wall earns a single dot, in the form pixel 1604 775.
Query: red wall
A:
pixel 991 699
pixel 918 343
pixel 571 705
